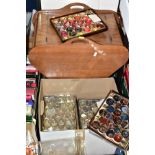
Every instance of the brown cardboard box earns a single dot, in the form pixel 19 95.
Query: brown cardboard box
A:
pixel 89 88
pixel 81 88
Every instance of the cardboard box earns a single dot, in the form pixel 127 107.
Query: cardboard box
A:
pixel 81 88
pixel 79 58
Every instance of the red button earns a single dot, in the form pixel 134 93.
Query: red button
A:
pixel 71 21
pixel 87 29
pixel 88 21
pixel 77 18
pixel 103 120
pixel 85 18
pixel 65 21
pixel 95 124
pixel 117 137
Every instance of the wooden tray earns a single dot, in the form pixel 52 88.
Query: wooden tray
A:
pixel 77 24
pixel 45 34
pixel 78 58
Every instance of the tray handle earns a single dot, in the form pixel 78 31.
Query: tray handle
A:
pixel 95 46
pixel 79 40
pixel 76 6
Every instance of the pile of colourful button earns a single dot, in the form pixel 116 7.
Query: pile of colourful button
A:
pixel 112 120
pixel 78 24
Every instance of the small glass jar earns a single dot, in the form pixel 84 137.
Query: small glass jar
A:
pixel 90 115
pixel 57 118
pixel 54 124
pixel 68 124
pixel 94 109
pixel 46 123
pixel 61 124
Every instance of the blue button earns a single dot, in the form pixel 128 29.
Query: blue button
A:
pixel 110 109
pixel 119 151
pixel 124 117
pixel 117 129
pixel 124 109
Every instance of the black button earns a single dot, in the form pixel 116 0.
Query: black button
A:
pixel 110 133
pixel 116 98
pixel 110 101
pixel 101 112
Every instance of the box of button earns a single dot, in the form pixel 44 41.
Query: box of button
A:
pixel 78 24
pixel 112 120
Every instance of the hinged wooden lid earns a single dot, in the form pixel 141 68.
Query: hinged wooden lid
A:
pixel 78 58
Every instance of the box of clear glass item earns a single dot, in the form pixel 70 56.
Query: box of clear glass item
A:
pixel 60 113
pixel 57 110
pixel 86 110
